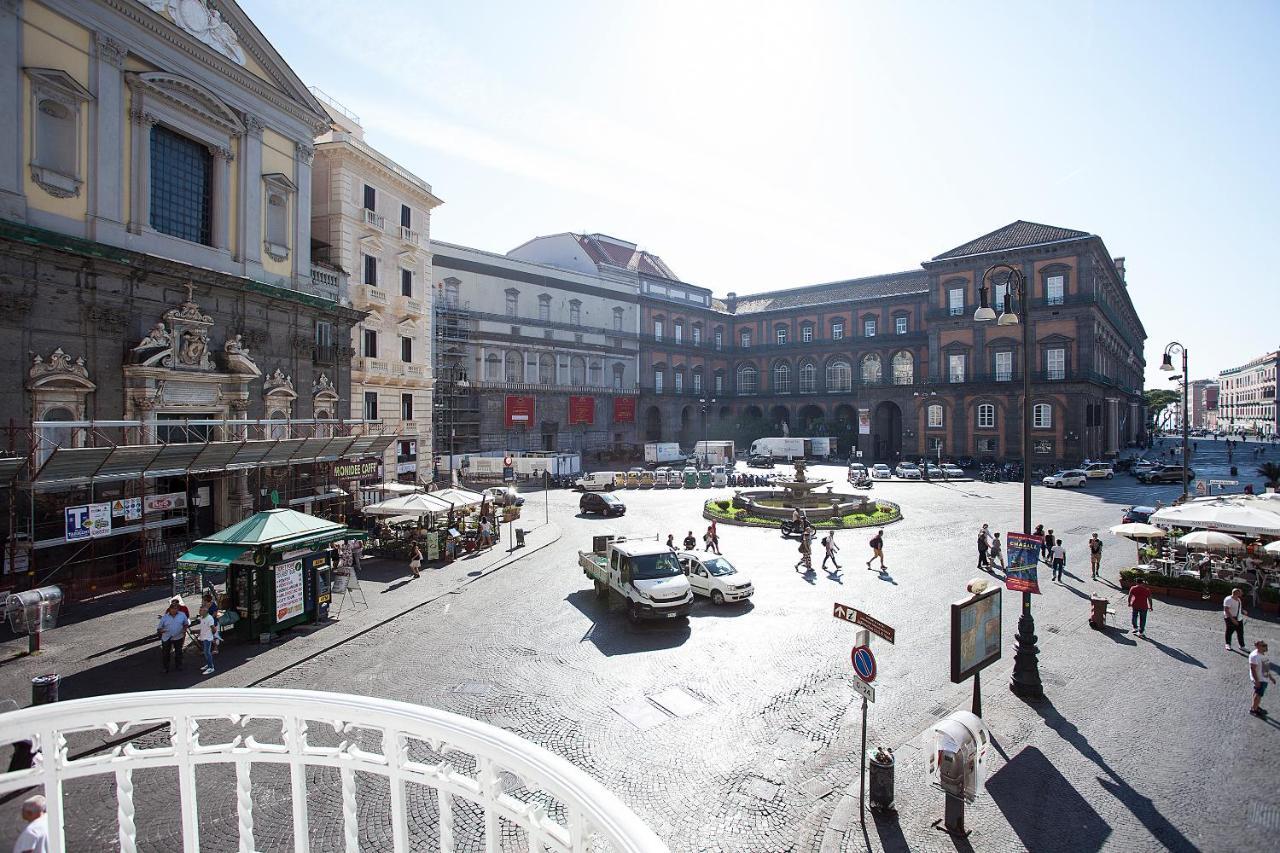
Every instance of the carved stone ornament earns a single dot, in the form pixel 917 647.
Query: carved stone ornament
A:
pixel 203 23
pixel 60 369
pixel 305 152
pixel 111 51
pixel 279 384
pixel 322 389
pixel 181 342
pixel 149 402
pixel 237 357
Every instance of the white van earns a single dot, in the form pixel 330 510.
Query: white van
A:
pixel 597 481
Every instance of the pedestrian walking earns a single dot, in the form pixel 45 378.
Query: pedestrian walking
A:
pixel 171 630
pixel 715 538
pixel 1233 615
pixel 210 606
pixel 983 545
pixel 689 541
pixel 806 550
pixel 415 560
pixel 1058 554
pixel 1259 669
pixel 995 554
pixel 34 837
pixel 877 550
pixel 671 541
pixel 1139 606
pixel 357 553
pixel 1047 549
pixel 830 546
pixel 205 637
pixel 1095 555
pixel 1038 535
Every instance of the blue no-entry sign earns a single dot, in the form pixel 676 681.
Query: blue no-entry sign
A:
pixel 864 663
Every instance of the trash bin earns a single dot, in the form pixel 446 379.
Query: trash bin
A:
pixel 1098 612
pixel 44 689
pixel 880 784
pixel 519 537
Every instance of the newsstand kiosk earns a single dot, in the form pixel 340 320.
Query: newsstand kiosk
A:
pixel 277 566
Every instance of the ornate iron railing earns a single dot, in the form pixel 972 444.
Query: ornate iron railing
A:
pixel 465 778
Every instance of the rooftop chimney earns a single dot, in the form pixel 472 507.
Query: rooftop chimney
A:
pixel 1119 262
pixel 731 302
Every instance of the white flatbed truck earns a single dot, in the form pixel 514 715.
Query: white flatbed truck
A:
pixel 644 573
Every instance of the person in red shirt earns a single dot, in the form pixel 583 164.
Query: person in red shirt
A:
pixel 1140 603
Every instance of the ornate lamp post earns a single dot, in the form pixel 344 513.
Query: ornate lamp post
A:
pixel 1167 364
pixel 1025 680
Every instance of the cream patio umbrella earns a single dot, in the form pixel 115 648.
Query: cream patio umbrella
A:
pixel 1214 540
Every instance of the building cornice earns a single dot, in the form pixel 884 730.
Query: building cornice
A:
pixel 383 167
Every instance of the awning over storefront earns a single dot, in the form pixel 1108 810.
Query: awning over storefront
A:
pixel 68 466
pixel 211 555
pixel 417 504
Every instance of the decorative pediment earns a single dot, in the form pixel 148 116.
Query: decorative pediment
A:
pixel 181 342
pixel 203 23
pixel 1055 338
pixel 407 324
pixel 189 96
pixel 370 244
pixel 322 390
pixel 279 385
pixel 59 371
pixel 236 354
pixel 59 85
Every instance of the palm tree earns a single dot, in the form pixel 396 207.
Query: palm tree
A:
pixel 1270 472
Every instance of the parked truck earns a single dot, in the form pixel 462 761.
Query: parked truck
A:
pixel 792 448
pixel 662 453
pixel 714 453
pixel 644 573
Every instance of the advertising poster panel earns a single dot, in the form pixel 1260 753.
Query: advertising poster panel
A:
pixel 624 410
pixel 975 633
pixel 582 410
pixel 519 411
pixel 864 422
pixel 1024 558
pixel 289 590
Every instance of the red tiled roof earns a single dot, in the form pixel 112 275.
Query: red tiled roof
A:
pixel 615 253
pixel 1013 236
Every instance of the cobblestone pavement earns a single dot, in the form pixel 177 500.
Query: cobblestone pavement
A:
pixel 739 730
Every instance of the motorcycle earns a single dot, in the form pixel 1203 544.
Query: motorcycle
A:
pixel 862 483
pixel 795 528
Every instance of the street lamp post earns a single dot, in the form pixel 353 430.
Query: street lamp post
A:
pixel 1025 681
pixel 1167 364
pixel 704 405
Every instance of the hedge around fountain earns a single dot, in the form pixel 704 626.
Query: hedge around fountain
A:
pixel 887 512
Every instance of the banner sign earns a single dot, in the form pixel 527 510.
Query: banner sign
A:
pixel 367 470
pixel 519 411
pixel 1024 558
pixel 864 422
pixel 164 503
pixel 975 634
pixel 289 597
pixel 88 521
pixel 582 410
pixel 624 410
pixel 130 508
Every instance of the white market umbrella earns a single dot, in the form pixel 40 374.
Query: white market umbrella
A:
pixel 416 504
pixel 458 497
pixel 1214 539
pixel 1272 547
pixel 1230 516
pixel 400 488
pixel 1138 530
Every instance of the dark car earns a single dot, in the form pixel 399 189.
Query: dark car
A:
pixel 760 462
pixel 1138 514
pixel 596 503
pixel 1165 474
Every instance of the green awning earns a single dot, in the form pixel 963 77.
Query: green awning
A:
pixel 209 554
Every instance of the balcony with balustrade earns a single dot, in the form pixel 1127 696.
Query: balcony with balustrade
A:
pixel 373 219
pixel 310 756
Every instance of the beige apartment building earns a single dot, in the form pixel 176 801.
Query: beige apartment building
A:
pixel 371 217
pixel 1247 396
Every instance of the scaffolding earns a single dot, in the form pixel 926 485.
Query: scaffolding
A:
pixel 456 413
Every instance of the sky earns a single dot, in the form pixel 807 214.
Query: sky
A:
pixel 755 146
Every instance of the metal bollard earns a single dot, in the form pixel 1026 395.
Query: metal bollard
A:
pixel 44 689
pixel 880 784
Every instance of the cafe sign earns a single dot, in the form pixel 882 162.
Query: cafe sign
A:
pixel 365 470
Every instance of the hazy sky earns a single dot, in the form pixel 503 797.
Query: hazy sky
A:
pixel 756 146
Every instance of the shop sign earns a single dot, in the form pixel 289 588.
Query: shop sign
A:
pixel 367 470
pixel 165 503
pixel 519 411
pixel 406 467
pixel 289 597
pixel 130 508
pixel 89 521
pixel 624 410
pixel 582 410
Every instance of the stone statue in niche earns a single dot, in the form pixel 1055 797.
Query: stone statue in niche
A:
pixel 156 349
pixel 194 350
pixel 237 357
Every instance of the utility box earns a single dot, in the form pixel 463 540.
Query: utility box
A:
pixel 35 610
pixel 957 747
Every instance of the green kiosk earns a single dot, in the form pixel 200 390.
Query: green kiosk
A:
pixel 276 565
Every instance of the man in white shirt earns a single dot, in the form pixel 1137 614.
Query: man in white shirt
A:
pixel 35 838
pixel 1259 674
pixel 208 630
pixel 1233 615
pixel 1058 559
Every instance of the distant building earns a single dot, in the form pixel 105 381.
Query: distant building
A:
pixel 1247 396
pixel 1203 397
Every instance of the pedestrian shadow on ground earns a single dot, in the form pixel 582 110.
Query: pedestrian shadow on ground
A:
pixel 1175 653
pixel 1118 634
pixel 613 633
pixel 1139 805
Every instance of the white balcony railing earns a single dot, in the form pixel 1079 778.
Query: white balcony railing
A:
pixel 373 294
pixel 373 218
pixel 450 777
pixel 408 235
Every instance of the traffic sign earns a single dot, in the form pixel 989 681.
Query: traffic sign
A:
pixel 857 617
pixel 1224 482
pixel 506 461
pixel 866 690
pixel 864 663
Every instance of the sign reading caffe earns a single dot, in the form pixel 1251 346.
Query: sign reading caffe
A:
pixel 365 470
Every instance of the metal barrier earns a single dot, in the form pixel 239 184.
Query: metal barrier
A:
pixel 433 762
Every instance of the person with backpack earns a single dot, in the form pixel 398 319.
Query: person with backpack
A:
pixel 877 550
pixel 830 546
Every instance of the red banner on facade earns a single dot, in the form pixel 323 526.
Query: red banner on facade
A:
pixel 519 411
pixel 624 410
pixel 582 410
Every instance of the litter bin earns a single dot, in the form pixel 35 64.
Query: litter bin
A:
pixel 1098 613
pixel 880 784
pixel 519 537
pixel 44 689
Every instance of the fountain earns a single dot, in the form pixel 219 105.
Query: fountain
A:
pixel 785 496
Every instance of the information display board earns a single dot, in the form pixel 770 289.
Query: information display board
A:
pixel 289 590
pixel 975 633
